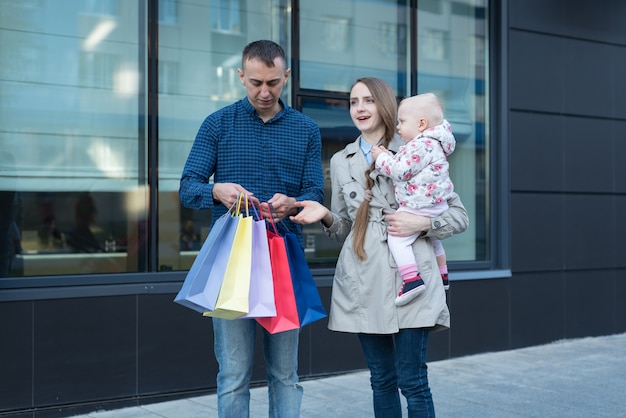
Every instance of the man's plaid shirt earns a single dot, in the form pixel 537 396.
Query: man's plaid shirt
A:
pixel 282 155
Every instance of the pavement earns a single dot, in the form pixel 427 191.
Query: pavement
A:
pixel 571 378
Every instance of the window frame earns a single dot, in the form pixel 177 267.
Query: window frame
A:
pixel 496 266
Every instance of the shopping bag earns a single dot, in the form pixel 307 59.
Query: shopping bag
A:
pixel 261 301
pixel 310 308
pixel 286 311
pixel 199 290
pixel 232 301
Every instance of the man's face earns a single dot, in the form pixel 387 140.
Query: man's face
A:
pixel 264 84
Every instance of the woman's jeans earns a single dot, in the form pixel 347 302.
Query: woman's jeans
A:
pixel 399 361
pixel 234 349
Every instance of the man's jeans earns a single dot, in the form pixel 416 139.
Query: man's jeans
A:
pixel 234 349
pixel 399 360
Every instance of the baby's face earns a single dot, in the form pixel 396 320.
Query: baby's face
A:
pixel 408 122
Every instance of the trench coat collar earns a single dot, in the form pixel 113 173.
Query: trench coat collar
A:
pixel 357 162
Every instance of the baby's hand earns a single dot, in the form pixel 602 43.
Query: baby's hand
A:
pixel 377 150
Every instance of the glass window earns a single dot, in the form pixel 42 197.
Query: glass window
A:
pixel 337 130
pixel 104 7
pixel 70 190
pixel 167 12
pixel 452 62
pixel 226 16
pixel 198 75
pixel 342 40
pixel 73 146
pixel 372 39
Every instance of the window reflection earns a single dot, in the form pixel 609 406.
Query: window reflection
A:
pixel 70 138
pixel 451 61
pixel 225 16
pixel 337 130
pixel 76 201
pixel 168 12
pixel 357 39
pixel 450 51
pixel 74 233
pixel 198 64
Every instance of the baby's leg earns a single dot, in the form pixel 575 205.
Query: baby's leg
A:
pixel 440 253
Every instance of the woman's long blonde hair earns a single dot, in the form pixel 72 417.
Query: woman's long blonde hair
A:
pixel 387 106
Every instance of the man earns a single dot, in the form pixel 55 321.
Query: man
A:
pixel 262 147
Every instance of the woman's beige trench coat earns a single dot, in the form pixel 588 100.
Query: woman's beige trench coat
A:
pixel 363 292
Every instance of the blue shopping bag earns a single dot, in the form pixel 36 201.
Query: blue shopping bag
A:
pixel 308 301
pixel 203 281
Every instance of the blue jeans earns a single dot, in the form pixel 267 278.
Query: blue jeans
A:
pixel 234 349
pixel 399 361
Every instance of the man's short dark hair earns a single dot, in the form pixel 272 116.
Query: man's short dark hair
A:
pixel 263 50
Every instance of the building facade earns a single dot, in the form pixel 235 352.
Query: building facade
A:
pixel 100 103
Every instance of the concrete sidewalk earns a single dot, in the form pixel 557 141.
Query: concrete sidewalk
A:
pixel 572 378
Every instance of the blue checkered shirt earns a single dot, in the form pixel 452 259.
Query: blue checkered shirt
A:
pixel 234 145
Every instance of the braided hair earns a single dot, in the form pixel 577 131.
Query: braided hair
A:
pixel 386 104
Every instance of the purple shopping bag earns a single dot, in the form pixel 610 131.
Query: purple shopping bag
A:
pixel 261 281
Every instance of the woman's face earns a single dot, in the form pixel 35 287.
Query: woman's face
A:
pixel 363 109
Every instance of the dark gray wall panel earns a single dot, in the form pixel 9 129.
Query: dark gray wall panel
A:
pixel 569 76
pixel 588 148
pixel 84 349
pixel 618 79
pixel 536 232
pixel 588 305
pixel 537 308
pixel 479 323
pixel 327 351
pixel 618 18
pixel 579 19
pixel 619 224
pixel 535 72
pixel 618 155
pixel 175 347
pixel 565 153
pixel 582 249
pixel 536 15
pixel 536 146
pixel 588 70
pixel 618 298
pixel 16 355
pixel 439 345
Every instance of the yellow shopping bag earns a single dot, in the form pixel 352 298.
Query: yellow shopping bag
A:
pixel 233 299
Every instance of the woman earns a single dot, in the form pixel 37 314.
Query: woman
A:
pixel 394 339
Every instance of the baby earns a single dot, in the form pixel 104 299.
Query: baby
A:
pixel 421 180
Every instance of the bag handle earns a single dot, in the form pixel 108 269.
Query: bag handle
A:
pixel 237 205
pixel 258 215
pixel 232 210
pixel 247 208
pixel 273 212
pixel 271 218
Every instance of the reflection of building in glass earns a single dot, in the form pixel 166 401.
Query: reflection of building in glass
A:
pixel 74 92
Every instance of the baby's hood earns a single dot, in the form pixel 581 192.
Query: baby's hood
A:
pixel 443 134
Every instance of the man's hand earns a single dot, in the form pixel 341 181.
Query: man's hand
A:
pixel 282 206
pixel 227 193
